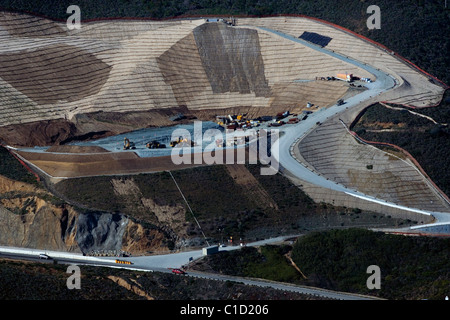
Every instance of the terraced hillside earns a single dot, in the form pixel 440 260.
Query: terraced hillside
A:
pixel 93 80
pixel 416 89
pixel 333 152
pixel 113 76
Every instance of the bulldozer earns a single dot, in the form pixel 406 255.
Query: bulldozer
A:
pixel 155 145
pixel 127 144
pixel 173 143
pixel 183 142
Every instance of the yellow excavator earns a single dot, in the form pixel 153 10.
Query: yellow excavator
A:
pixel 127 144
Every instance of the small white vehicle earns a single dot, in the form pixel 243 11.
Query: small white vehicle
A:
pixel 43 256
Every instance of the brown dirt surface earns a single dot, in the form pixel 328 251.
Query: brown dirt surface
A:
pixel 245 179
pixel 111 163
pixel 39 133
pixel 224 48
pixel 23 25
pixel 54 73
pixel 28 218
pixel 76 149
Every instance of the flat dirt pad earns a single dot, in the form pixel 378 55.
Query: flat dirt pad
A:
pixel 112 163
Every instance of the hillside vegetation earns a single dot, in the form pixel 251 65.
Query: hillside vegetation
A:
pixel 267 262
pixel 224 206
pixel 411 267
pixel 12 169
pixel 27 281
pixel 424 139
pixel 417 30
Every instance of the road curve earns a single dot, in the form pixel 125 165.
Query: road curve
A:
pixel 282 148
pixel 165 263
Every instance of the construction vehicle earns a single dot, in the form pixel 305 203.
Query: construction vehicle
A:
pixel 173 143
pixel 183 142
pixel 276 124
pixel 282 115
pixel 155 145
pixel 219 143
pixel 127 144
pixel 345 77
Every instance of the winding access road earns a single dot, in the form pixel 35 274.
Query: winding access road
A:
pixel 282 149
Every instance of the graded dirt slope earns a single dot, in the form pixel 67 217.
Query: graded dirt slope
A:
pixel 417 89
pixel 48 72
pixel 333 152
pixel 127 67
pixel 75 73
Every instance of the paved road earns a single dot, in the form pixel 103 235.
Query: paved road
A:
pixel 165 263
pixel 293 133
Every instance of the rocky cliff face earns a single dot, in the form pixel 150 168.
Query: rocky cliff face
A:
pixel 33 218
pixel 30 217
pixel 97 232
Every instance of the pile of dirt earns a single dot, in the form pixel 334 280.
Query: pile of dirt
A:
pixel 40 133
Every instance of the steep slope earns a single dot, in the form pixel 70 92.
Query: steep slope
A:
pixel 31 217
pixel 114 76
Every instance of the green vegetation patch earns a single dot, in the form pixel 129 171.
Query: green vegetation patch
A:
pixel 411 267
pixel 38 281
pixel 11 168
pixel 267 262
pixel 27 281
